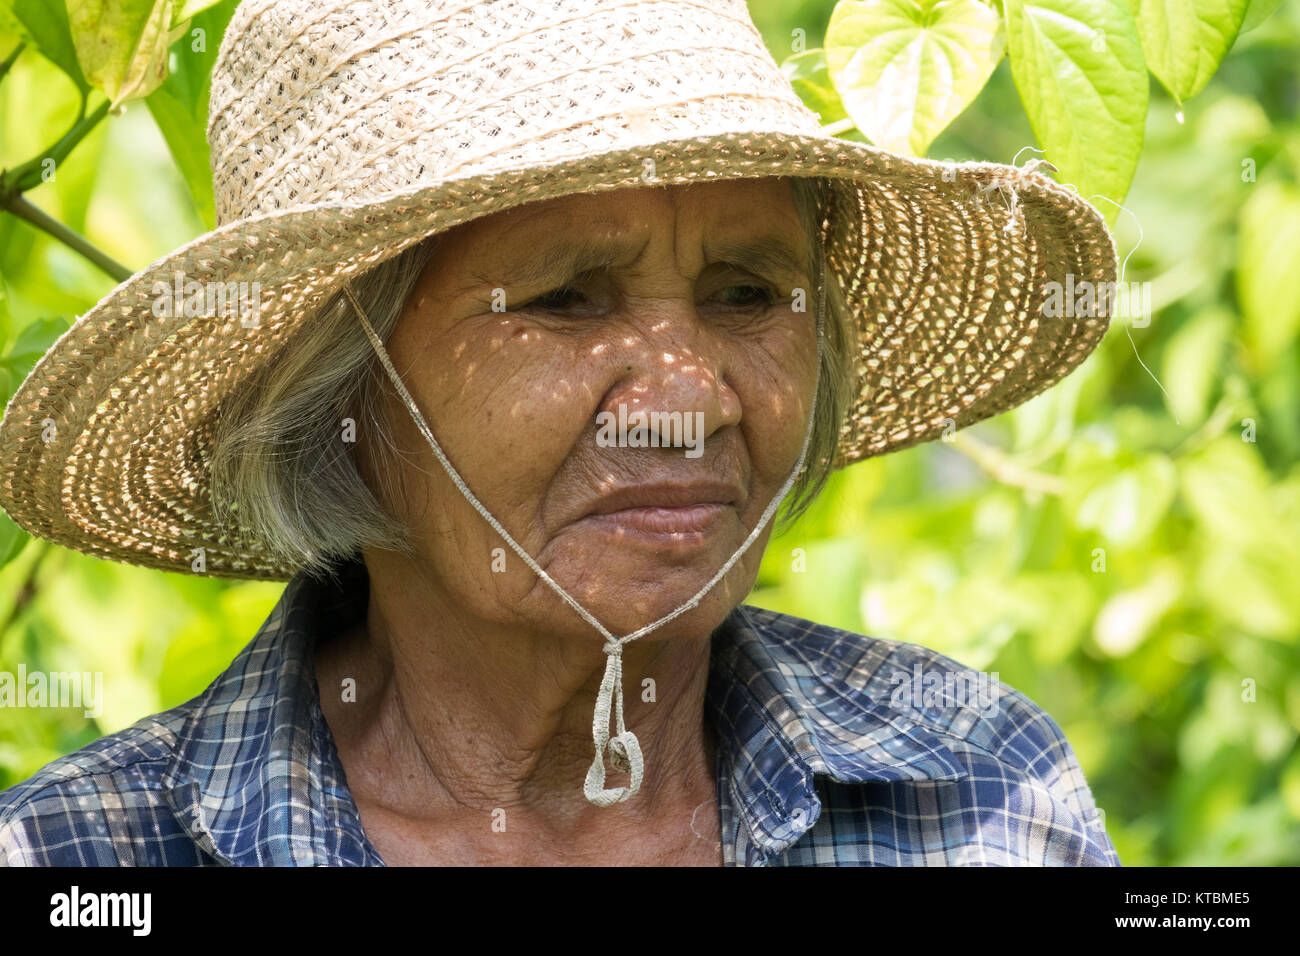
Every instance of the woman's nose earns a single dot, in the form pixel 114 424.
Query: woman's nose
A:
pixel 676 366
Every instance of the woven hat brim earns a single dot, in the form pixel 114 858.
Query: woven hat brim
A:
pixel 944 269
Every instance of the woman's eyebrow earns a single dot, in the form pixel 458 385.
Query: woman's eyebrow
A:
pixel 563 258
pixel 764 255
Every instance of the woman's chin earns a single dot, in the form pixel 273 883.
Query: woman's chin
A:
pixel 627 601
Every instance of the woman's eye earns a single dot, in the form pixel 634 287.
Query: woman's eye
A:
pixel 751 295
pixel 736 296
pixel 557 299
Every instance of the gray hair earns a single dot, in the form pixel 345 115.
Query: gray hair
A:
pixel 279 461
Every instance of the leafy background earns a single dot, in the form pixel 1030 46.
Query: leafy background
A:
pixel 1174 668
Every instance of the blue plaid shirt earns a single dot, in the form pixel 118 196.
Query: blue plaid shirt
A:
pixel 825 757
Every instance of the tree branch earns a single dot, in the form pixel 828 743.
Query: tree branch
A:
pixel 20 207
pixel 9 60
pixel 27 589
pixel 1001 467
pixel 28 175
pixel 14 182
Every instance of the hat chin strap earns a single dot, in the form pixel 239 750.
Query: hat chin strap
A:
pixel 623 749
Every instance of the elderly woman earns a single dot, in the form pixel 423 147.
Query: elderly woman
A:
pixel 530 372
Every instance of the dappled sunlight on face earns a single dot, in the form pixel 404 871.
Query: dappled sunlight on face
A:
pixel 624 380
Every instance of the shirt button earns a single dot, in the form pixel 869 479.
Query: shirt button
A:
pixel 797 817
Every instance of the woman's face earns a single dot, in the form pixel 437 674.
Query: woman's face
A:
pixel 522 339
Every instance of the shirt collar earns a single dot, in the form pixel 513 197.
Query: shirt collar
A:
pixel 256 778
pixel 793 699
pixel 255 775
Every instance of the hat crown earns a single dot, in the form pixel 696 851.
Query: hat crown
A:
pixel 328 101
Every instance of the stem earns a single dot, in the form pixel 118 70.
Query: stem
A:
pixel 28 175
pixel 9 60
pixel 23 209
pixel 1002 468
pixel 1174 283
pixel 1214 426
pixel 27 589
pixel 834 129
pixel 16 181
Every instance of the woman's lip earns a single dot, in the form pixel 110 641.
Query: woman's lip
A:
pixel 687 519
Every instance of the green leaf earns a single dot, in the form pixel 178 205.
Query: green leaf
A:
pixel 122 44
pixel 44 23
pixel 1048 416
pixel 1126 509
pixel 1128 617
pixel 33 342
pixel 1248 536
pixel 905 69
pixel 1191 363
pixel 190 77
pixel 1079 68
pixel 12 539
pixel 1122 501
pixel 1226 487
pixel 811 78
pixel 189 8
pixel 1257 12
pixel 6 319
pixel 1185 40
pixel 189 147
pixel 1268 271
pixel 180 105
pixel 11 25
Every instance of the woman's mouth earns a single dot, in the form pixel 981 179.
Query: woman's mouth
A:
pixel 685 520
pixel 666 510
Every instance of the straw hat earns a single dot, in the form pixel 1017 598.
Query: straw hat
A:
pixel 343 132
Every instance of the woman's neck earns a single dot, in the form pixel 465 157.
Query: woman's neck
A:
pixel 467 728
